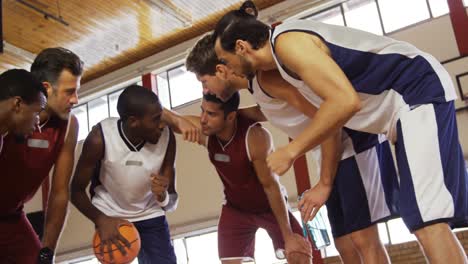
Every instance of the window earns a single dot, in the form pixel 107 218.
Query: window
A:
pixel 203 248
pixel 113 99
pixel 184 86
pixel 363 15
pixel 397 14
pixel 180 250
pixel 163 90
pixel 331 16
pixel 81 113
pixel 98 110
pixel 438 7
pixel 264 250
pixel 399 233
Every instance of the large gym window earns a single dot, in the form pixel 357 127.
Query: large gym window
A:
pixel 98 110
pixel 331 16
pixel 397 14
pixel 203 248
pixel 163 90
pixel 81 113
pixel 113 98
pixel 439 7
pixel 363 15
pixel 184 86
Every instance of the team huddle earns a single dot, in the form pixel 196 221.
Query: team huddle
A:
pixel 344 94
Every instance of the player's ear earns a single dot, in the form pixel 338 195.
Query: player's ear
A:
pixel 231 116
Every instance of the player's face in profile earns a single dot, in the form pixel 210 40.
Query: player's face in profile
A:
pixel 63 95
pixel 239 63
pixel 26 116
pixel 212 118
pixel 150 124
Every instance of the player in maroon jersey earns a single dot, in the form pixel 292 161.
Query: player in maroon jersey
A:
pixel 254 197
pixel 26 162
pixel 22 97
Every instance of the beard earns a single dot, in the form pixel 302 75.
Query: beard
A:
pixel 227 92
pixel 247 68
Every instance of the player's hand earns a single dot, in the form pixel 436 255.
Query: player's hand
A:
pixel 108 229
pixel 159 185
pixel 189 131
pixel 46 256
pixel 280 160
pixel 313 199
pixel 298 250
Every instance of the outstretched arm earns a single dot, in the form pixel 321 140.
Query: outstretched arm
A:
pixel 253 112
pixel 181 125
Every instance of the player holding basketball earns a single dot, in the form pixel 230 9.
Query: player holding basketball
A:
pixel 130 164
pixel 254 197
pixel 366 162
pixel 22 97
pixel 372 84
pixel 26 162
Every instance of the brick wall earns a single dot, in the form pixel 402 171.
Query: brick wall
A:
pixel 407 253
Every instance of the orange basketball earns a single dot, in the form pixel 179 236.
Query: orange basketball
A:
pixel 131 234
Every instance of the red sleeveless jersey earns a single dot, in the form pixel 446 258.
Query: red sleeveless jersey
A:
pixel 242 188
pixel 26 162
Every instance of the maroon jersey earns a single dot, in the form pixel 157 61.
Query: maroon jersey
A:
pixel 26 162
pixel 242 188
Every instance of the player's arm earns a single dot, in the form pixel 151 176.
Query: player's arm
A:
pixel 92 154
pixel 260 145
pixel 330 147
pixel 59 193
pixel 164 184
pixel 318 70
pixel 181 125
pixel 253 112
pixel 195 121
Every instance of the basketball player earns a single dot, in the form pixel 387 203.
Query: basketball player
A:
pixel 373 84
pixel 22 97
pixel 366 161
pixel 26 162
pixel 134 179
pixel 254 197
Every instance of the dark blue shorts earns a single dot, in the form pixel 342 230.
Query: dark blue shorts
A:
pixel 156 245
pixel 365 191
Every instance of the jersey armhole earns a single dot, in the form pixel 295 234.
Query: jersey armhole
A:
pixel 273 39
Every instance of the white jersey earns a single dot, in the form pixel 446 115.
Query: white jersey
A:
pixel 124 188
pixel 389 76
pixel 292 122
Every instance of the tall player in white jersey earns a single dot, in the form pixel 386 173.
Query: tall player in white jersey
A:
pixel 130 163
pixel 372 84
pixel 354 208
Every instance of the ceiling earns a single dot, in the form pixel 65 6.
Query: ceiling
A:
pixel 107 34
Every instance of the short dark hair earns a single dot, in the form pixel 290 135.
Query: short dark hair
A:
pixel 20 83
pixel 242 24
pixel 50 63
pixel 133 101
pixel 229 106
pixel 202 58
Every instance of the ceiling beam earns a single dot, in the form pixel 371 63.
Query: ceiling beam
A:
pixel 19 52
pixel 169 7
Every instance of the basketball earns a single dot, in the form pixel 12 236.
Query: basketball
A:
pixel 131 234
